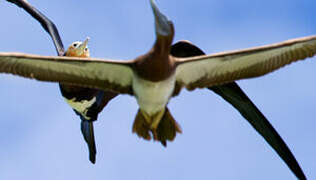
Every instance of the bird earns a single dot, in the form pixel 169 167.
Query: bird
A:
pixel 87 103
pixel 230 92
pixel 82 99
pixel 156 76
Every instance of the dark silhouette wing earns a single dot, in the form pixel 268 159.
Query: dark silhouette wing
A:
pixel 46 23
pixel 234 95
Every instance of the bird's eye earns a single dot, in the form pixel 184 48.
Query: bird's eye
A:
pixel 86 49
pixel 75 44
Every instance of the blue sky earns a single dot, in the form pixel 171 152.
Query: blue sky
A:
pixel 40 135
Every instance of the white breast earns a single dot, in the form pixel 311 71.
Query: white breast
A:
pixel 152 97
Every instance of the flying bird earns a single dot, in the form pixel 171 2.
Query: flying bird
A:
pixel 230 91
pixel 156 76
pixel 87 103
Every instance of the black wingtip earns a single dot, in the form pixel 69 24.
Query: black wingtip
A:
pixel 18 3
pixel 88 134
pixel 234 95
pixel 164 143
pixel 92 157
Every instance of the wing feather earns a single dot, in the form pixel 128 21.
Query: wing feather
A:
pixel 110 75
pixel 210 70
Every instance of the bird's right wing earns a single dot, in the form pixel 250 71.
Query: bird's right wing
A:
pixel 103 74
pixel 221 68
pixel 46 23
pixel 233 94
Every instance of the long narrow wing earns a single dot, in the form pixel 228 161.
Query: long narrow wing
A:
pixel 233 94
pixel 210 70
pixel 52 30
pixel 46 23
pixel 86 72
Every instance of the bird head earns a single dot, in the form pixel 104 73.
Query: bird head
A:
pixel 78 49
pixel 163 26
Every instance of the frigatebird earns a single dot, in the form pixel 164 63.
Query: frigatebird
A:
pixel 302 48
pixel 87 103
pixel 230 91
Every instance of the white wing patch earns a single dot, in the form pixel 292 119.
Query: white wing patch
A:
pixel 81 106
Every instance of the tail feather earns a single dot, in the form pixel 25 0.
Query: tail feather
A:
pixel 88 134
pixel 141 127
pixel 166 130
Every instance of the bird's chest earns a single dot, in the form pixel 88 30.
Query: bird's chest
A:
pixel 153 96
pixel 155 67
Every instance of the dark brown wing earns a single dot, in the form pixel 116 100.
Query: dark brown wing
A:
pixel 86 72
pixel 46 23
pixel 234 95
pixel 220 68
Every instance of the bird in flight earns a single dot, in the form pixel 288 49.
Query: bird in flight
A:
pixel 86 102
pixel 156 76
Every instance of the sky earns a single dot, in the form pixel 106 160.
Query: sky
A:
pixel 40 135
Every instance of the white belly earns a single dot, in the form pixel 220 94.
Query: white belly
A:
pixel 152 97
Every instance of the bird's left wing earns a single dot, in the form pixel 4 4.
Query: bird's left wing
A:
pixel 46 23
pixel 220 68
pixel 103 74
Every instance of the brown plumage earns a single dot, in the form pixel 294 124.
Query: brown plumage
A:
pixel 269 58
pixel 166 130
pixel 154 77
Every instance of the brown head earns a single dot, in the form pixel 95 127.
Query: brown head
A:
pixel 164 30
pixel 78 49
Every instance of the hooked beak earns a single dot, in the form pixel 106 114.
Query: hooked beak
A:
pixel 161 21
pixel 80 49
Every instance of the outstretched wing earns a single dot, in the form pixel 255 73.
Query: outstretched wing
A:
pixel 46 23
pixel 86 72
pixel 234 95
pixel 220 68
pixel 51 29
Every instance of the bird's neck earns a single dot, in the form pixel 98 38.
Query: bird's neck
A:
pixel 162 46
pixel 157 65
pixel 71 53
